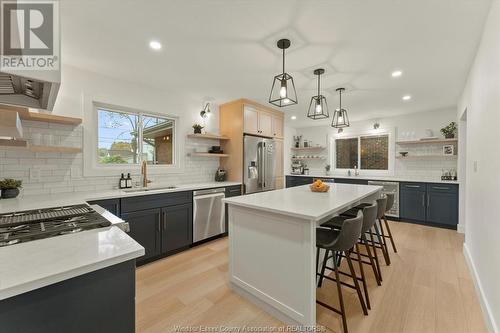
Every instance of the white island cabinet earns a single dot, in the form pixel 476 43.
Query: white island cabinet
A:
pixel 272 245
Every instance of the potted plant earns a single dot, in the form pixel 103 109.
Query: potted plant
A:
pixel 450 130
pixel 10 188
pixel 197 128
pixel 327 169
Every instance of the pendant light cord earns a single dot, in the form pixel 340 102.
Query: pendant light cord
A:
pixel 283 62
pixel 340 95
pixel 318 84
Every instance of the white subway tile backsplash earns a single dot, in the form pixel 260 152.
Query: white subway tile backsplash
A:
pixel 63 173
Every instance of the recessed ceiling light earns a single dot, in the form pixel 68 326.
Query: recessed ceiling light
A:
pixel 397 73
pixel 155 45
pixel 406 97
pixel 293 117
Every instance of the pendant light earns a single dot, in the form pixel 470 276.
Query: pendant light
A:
pixel 318 108
pixel 340 118
pixel 283 90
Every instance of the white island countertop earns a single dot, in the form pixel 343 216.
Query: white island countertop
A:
pixel 301 202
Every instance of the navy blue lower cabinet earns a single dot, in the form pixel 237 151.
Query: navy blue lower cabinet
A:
pixel 145 228
pixel 351 181
pixel 442 204
pixel 177 228
pixel 292 181
pixel 412 201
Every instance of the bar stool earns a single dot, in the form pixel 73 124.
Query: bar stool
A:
pixel 338 242
pixel 390 203
pixel 369 218
pixel 380 244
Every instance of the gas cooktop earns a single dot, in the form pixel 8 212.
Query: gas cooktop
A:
pixel 25 226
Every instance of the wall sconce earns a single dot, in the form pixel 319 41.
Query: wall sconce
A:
pixel 206 111
pixel 376 126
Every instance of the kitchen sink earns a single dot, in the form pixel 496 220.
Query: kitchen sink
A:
pixel 147 189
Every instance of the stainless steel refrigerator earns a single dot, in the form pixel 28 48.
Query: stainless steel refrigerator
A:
pixel 259 164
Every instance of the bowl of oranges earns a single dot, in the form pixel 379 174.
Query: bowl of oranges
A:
pixel 319 186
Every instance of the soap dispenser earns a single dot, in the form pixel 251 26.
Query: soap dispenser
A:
pixel 123 182
pixel 128 181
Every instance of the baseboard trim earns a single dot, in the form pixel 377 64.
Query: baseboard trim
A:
pixel 485 307
pixel 461 228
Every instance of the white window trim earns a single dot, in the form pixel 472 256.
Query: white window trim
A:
pixel 343 172
pixel 90 141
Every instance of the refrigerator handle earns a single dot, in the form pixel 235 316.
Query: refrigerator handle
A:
pixel 259 163
pixel 264 164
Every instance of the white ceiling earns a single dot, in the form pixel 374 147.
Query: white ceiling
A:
pixel 225 49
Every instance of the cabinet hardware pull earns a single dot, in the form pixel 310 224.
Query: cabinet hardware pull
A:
pixel 428 200
pixel 164 221
pixel 440 188
pixel 413 186
pixel 423 200
pixel 158 227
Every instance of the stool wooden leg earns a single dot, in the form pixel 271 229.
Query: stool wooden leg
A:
pixel 341 299
pixel 355 280
pixel 363 279
pixel 323 267
pixel 374 247
pixel 372 261
pixel 390 234
pixel 381 240
pixel 317 261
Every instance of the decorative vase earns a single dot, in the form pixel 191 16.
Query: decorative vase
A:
pixel 10 193
pixel 197 130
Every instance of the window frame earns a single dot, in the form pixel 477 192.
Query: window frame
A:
pixel 332 153
pixel 92 167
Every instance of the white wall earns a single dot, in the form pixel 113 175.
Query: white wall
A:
pixel 414 125
pixel 54 172
pixel 481 98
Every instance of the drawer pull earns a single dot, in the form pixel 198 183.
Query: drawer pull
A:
pixel 413 186
pixel 440 188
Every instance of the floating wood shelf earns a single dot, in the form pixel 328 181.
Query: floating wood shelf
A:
pixel 423 142
pixel 25 114
pixel 421 157
pixel 208 136
pixel 55 149
pixel 308 158
pixel 209 155
pixel 13 143
pixel 308 148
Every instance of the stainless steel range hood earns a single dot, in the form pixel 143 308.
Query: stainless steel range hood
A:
pixel 33 89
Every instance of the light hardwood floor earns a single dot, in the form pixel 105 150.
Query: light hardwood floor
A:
pixel 426 289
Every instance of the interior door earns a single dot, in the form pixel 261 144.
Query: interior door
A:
pixel 265 124
pixel 251 120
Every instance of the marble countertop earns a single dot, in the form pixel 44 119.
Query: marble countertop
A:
pixel 301 202
pixel 27 202
pixel 381 178
pixel 32 265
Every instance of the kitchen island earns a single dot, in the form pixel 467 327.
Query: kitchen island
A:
pixel 272 245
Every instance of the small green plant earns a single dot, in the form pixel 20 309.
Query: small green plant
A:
pixel 450 130
pixel 9 183
pixel 327 167
pixel 197 128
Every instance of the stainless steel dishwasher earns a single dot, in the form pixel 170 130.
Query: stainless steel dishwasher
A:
pixel 208 213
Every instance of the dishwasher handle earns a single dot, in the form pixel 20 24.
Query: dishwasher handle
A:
pixel 209 191
pixel 210 195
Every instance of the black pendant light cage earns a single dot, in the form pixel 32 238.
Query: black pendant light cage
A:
pixel 318 107
pixel 340 117
pixel 283 91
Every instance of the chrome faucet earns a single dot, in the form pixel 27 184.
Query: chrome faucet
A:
pixel 144 173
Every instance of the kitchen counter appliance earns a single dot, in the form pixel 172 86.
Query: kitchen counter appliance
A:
pixel 25 226
pixel 389 187
pixel 208 213
pixel 259 164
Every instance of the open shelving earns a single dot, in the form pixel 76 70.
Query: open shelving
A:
pixel 308 148
pixel 208 136
pixel 209 155
pixel 423 142
pixel 419 157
